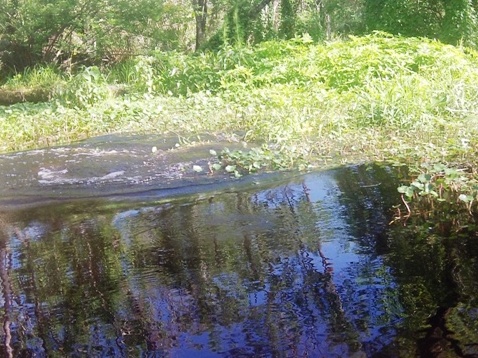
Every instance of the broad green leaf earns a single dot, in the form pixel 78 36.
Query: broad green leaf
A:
pixel 417 185
pixel 423 178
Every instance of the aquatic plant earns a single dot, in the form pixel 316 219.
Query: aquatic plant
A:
pixel 264 158
pixel 441 193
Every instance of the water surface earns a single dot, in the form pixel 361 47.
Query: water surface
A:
pixel 307 266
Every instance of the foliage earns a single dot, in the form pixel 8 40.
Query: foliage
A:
pixel 84 89
pixel 137 72
pixel 288 16
pixel 239 162
pixel 35 77
pixel 79 31
pixel 324 104
pixel 405 17
pixel 72 32
pixel 34 85
pixel 450 21
pixel 439 193
pixel 460 22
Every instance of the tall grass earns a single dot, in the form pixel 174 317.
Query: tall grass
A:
pixel 36 77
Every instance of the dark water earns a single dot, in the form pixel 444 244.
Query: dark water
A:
pixel 306 267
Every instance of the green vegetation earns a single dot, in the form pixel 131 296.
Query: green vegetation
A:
pixel 440 182
pixel 344 100
pixel 303 84
pixel 72 33
pixel 298 103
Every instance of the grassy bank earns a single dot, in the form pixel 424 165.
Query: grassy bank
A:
pixel 368 98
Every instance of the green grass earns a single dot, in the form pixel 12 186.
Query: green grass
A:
pixel 37 77
pixel 367 98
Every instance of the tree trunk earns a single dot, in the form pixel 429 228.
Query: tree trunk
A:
pixel 200 12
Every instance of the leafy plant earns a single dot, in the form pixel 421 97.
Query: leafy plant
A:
pixel 240 162
pixel 84 89
pixel 438 184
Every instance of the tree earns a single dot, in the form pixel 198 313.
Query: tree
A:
pixel 200 13
pixel 83 30
pixel 404 17
pixel 451 21
pixel 287 26
pixel 459 22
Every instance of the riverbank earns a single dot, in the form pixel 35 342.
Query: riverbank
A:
pixel 369 98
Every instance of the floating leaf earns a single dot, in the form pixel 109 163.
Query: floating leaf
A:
pixel 216 166
pixel 212 152
pixel 197 168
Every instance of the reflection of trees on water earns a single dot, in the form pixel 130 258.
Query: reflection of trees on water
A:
pixel 434 272
pixel 233 269
pixel 437 281
pixel 7 298
pixel 220 254
pixel 276 258
pixel 368 194
pixel 16 324
pixel 239 273
pixel 317 293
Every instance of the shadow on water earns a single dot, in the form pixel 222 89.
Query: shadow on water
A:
pixel 306 267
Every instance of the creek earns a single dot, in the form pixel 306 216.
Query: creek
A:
pixel 110 250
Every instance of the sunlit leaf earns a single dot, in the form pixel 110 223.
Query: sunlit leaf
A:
pixel 465 198
pixel 417 185
pixel 423 178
